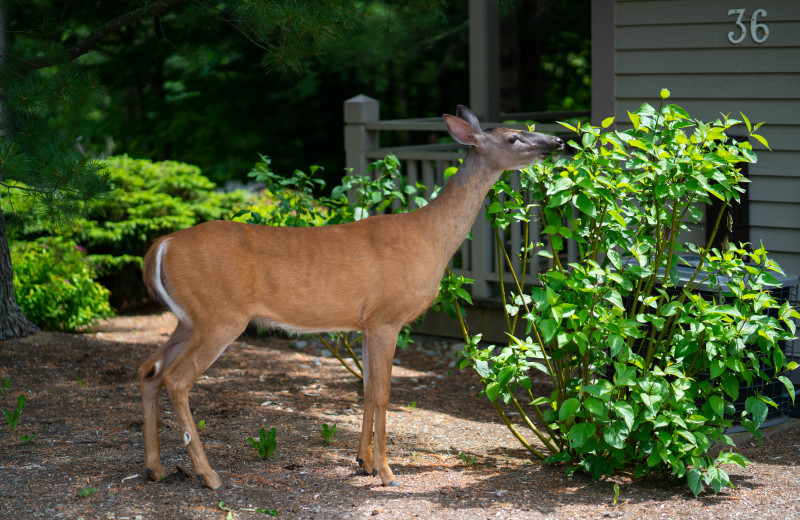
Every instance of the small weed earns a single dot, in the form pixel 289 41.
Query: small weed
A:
pixel 80 383
pixel 467 460
pixel 265 446
pixel 616 494
pixel 231 509
pixel 5 385
pixel 27 438
pixel 12 417
pixel 412 405
pixel 327 433
pixel 85 492
pixel 201 425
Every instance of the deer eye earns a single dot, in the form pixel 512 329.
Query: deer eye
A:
pixel 513 139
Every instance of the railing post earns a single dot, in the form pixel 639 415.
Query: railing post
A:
pixel 481 254
pixel 358 111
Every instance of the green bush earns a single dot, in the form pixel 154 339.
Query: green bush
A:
pixel 150 199
pixel 54 285
pixel 644 368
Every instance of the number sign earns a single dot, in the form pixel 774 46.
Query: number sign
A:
pixel 759 32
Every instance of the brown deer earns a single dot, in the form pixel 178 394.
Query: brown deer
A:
pixel 375 276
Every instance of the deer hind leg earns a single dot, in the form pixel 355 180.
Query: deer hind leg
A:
pixel 380 343
pixel 150 381
pixel 203 348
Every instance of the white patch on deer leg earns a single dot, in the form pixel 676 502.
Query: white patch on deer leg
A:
pixel 157 368
pixel 187 438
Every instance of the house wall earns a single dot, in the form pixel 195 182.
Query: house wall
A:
pixel 684 46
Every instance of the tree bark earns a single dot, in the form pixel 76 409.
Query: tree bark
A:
pixel 13 324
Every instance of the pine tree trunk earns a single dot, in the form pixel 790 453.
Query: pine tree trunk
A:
pixel 13 324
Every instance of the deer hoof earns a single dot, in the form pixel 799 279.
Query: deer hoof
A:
pixel 152 475
pixel 393 483
pixel 219 487
pixel 212 482
pixel 363 465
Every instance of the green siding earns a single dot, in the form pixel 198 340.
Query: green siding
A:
pixel 683 45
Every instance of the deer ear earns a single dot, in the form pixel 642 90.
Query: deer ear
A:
pixel 460 130
pixel 467 115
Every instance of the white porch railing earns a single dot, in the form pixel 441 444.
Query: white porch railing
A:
pixel 426 164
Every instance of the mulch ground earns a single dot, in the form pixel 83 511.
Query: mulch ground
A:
pixel 86 459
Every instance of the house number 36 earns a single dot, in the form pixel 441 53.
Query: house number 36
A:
pixel 759 32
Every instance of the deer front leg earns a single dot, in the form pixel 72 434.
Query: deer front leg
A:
pixel 364 454
pixel 380 345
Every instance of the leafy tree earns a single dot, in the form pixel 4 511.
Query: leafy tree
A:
pixel 189 85
pixel 36 83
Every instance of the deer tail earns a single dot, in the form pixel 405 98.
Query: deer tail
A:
pixel 155 277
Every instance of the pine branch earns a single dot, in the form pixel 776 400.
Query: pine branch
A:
pixel 229 19
pixel 150 11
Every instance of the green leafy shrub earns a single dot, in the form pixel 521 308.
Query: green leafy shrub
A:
pixel 150 199
pixel 287 201
pixel 644 367
pixel 54 285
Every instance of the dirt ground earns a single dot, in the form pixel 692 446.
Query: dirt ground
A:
pixel 86 459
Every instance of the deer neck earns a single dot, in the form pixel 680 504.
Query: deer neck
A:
pixel 452 213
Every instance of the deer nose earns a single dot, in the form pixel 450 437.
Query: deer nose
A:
pixel 558 142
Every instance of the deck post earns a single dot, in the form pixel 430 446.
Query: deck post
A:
pixel 358 111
